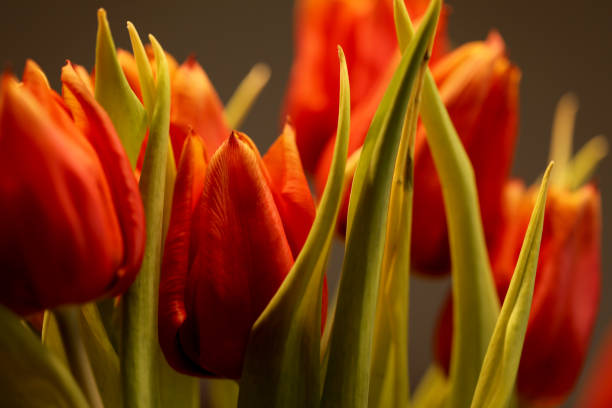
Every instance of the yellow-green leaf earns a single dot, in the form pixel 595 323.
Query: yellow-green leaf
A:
pixel 498 374
pixel 348 370
pixel 31 375
pixel 475 303
pixel 140 348
pixel 113 92
pixel 282 363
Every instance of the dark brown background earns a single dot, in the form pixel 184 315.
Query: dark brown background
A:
pixel 559 45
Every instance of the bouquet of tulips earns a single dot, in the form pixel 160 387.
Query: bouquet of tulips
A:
pixel 145 245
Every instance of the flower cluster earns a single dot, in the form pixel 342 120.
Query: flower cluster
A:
pixel 155 239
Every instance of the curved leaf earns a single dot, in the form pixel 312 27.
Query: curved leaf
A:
pixel 348 370
pixel 115 95
pixel 140 351
pixel 282 363
pixel 498 374
pixel 32 376
pixel 475 302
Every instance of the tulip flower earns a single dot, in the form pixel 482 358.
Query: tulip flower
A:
pixel 566 293
pixel 238 222
pixel 597 392
pixel 479 87
pixel 366 32
pixel 71 217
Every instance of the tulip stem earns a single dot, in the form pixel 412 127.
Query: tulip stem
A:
pixel 70 329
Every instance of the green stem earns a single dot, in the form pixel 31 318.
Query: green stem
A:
pixel 70 329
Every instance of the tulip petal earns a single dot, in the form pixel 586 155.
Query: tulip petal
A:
pixel 501 363
pixel 187 191
pixel 60 195
pixel 290 189
pixel 98 128
pixel 241 258
pixel 282 364
pixel 347 378
pixel 195 104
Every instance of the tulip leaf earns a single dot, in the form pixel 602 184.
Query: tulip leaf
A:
pixel 389 377
pixel 432 389
pixel 113 92
pixel 282 363
pixel 245 95
pixel 31 375
pixel 220 393
pixel 475 302
pixel 140 348
pixel 498 374
pixel 145 73
pixel 348 370
pixel 102 356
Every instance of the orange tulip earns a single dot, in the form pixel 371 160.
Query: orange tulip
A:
pixel 365 29
pixel 566 293
pixel 597 392
pixel 71 217
pixel 237 224
pixel 479 87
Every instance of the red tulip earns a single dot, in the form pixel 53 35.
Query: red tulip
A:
pixel 237 224
pixel 365 29
pixel 597 392
pixel 479 87
pixel 566 293
pixel 71 218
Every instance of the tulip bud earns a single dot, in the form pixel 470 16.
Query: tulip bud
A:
pixel 236 225
pixel 366 31
pixel 566 293
pixel 71 218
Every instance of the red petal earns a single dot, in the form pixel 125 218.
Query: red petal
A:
pixel 97 126
pixel 187 191
pixel 59 236
pixel 290 189
pixel 195 105
pixel 241 258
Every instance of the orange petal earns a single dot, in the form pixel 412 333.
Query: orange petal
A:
pixel 187 191
pixel 290 189
pixel 195 105
pixel 60 240
pixel 241 258
pixel 97 126
pixel 597 392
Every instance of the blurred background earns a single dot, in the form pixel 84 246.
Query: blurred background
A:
pixel 559 46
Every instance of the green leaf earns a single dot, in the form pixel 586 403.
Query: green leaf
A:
pixel 140 351
pixel 475 302
pixel 498 375
pixel 113 92
pixel 432 389
pixel 348 370
pixel 102 356
pixel 31 375
pixel 282 363
pixel 244 96
pixel 145 73
pixel 220 393
pixel 389 382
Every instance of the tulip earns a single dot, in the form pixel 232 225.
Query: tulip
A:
pixel 238 221
pixel 479 87
pixel 597 392
pixel 566 292
pixel 71 217
pixel 366 31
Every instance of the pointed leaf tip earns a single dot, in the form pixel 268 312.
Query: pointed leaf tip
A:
pixel 496 381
